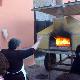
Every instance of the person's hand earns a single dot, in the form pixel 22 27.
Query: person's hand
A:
pixel 39 38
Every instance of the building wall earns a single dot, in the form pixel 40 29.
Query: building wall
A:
pixel 16 16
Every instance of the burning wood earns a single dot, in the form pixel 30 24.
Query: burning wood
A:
pixel 62 41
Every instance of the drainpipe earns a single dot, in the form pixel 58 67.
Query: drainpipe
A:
pixel 35 35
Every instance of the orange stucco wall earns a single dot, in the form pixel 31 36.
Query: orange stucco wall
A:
pixel 16 16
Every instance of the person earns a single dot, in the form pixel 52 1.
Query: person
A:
pixel 15 58
pixel 4 65
pixel 75 68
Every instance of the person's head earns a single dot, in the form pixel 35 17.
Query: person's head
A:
pixel 78 50
pixel 13 43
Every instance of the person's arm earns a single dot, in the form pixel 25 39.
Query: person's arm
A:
pixel 36 45
pixel 22 54
pixel 26 53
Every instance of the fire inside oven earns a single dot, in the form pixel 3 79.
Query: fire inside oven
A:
pixel 60 37
pixel 59 41
pixel 62 41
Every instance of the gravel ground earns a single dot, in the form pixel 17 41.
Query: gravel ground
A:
pixel 38 71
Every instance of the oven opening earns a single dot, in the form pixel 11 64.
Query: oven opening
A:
pixel 62 41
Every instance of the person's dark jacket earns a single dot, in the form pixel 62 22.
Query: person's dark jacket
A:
pixel 15 58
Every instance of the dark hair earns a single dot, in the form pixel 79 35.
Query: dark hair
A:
pixel 77 51
pixel 13 43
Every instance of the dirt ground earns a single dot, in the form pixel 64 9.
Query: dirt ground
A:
pixel 38 71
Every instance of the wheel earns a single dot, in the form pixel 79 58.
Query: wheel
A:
pixel 49 61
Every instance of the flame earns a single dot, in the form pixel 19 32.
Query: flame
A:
pixel 62 41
